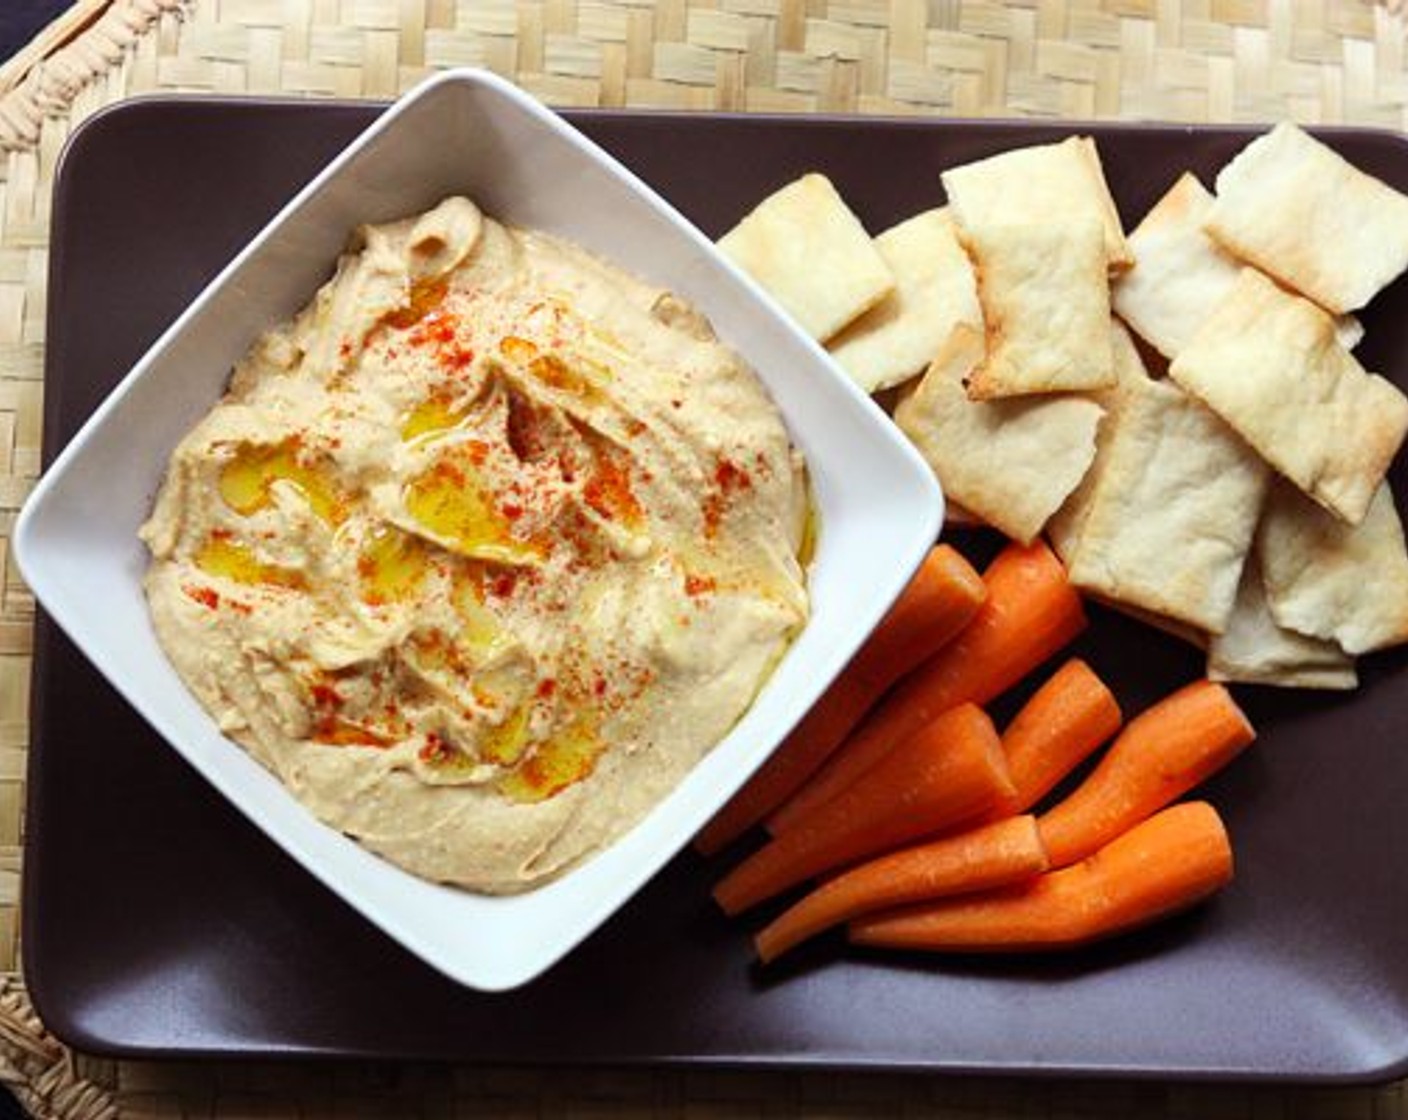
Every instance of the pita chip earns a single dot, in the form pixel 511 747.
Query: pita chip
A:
pixel 812 255
pixel 1046 308
pixel 1044 182
pixel 1255 650
pixel 1302 213
pixel 1346 583
pixel 934 291
pixel 1269 364
pixel 1172 516
pixel 1182 274
pixel 1064 527
pixel 1009 463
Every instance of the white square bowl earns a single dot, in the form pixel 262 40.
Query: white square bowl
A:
pixel 471 133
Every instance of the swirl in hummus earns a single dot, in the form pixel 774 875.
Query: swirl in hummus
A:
pixel 482 551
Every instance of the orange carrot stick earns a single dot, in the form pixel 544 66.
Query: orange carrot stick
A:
pixel 950 774
pixel 1163 753
pixel 1167 863
pixel 1031 612
pixel 1056 730
pixel 943 596
pixel 980 859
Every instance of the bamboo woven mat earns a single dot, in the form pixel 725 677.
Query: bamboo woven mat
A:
pixel 1204 60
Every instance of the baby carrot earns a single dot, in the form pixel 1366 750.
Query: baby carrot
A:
pixel 1163 753
pixel 980 859
pixel 943 596
pixel 1167 863
pixel 950 774
pixel 1057 729
pixel 1031 612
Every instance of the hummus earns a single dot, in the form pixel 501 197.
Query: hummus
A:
pixel 482 551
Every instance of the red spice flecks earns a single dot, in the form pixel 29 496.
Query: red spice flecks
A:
pixel 713 514
pixel 599 686
pixel 446 471
pixel 205 596
pixel 219 534
pixel 609 491
pixel 503 584
pixel 238 607
pixel 695 586
pixel 511 510
pixel 729 479
pixel 345 349
pixel 546 687
pixel 325 696
pixel 456 358
pixel 435 749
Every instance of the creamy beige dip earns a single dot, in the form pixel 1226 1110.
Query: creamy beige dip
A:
pixel 482 551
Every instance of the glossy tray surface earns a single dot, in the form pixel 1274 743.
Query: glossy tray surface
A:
pixel 158 921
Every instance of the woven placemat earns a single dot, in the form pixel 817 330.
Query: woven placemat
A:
pixel 1203 60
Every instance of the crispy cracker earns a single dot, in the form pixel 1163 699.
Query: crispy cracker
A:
pixel 1044 182
pixel 1009 463
pixel 1172 515
pixel 1183 274
pixel 1064 527
pixel 1180 272
pixel 1298 210
pixel 803 245
pixel 1346 583
pixel 1255 650
pixel 1269 364
pixel 934 290
pixel 1046 308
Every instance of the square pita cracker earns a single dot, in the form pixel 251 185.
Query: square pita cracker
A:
pixel 1010 463
pixel 1255 650
pixel 1046 308
pixel 812 255
pixel 1346 583
pixel 1269 364
pixel 1065 525
pixel 1173 513
pixel 1040 183
pixel 1182 274
pixel 1298 210
pixel 934 291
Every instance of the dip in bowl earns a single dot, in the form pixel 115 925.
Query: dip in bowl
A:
pixel 469 134
pixel 483 550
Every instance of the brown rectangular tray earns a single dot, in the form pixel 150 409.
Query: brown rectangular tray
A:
pixel 157 921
